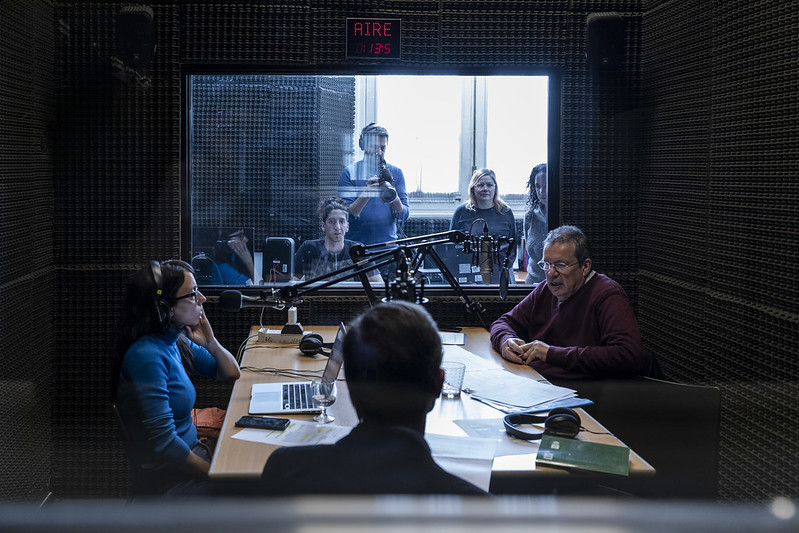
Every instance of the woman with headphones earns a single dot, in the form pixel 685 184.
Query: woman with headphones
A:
pixel 163 339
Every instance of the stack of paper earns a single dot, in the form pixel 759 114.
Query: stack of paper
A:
pixel 508 391
pixel 489 383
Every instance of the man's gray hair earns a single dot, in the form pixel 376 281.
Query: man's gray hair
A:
pixel 567 234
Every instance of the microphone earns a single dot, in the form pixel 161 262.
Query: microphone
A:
pixel 504 275
pixel 234 301
pixel 485 257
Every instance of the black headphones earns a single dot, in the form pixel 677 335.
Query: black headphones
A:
pixel 372 129
pixel 311 344
pixel 561 422
pixel 162 308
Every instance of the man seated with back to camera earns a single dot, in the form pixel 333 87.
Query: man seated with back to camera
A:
pixel 318 257
pixel 578 325
pixel 392 358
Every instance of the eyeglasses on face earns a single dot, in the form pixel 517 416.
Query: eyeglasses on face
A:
pixel 193 296
pixel 559 267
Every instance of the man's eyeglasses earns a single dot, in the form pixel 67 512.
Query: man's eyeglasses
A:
pixel 191 296
pixel 559 267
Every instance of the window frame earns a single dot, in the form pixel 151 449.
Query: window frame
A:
pixel 418 210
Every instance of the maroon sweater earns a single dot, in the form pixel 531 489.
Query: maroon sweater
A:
pixel 591 335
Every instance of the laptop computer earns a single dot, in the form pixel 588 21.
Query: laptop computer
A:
pixel 295 396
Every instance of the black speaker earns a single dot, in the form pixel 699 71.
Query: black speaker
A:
pixel 278 260
pixel 604 46
pixel 135 35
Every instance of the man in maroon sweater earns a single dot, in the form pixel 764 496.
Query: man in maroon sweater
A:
pixel 577 325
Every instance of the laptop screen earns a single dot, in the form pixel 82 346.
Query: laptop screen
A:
pixel 336 356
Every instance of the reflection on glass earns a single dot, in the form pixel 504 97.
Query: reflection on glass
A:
pixel 263 150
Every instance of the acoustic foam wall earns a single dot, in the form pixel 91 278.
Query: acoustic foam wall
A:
pixel 27 281
pixel 271 146
pixel 718 245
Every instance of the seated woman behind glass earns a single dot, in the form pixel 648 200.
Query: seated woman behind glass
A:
pixel 318 257
pixel 485 208
pixel 535 222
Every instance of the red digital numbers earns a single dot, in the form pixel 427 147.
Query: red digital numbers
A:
pixel 374 48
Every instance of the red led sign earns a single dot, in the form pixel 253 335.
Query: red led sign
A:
pixel 373 38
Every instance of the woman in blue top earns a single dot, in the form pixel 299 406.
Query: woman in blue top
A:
pixel 485 204
pixel 163 337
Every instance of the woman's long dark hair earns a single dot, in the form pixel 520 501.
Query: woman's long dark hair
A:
pixel 139 317
pixel 532 197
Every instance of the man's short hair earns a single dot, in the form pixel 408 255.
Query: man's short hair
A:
pixel 393 347
pixel 371 130
pixel 567 234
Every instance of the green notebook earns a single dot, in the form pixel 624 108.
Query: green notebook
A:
pixel 581 455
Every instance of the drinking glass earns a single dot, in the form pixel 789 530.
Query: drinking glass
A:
pixel 323 394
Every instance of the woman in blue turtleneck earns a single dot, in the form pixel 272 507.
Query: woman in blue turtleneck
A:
pixel 163 337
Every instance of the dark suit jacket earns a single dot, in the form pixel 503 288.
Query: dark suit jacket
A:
pixel 372 459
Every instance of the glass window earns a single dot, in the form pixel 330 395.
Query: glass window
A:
pixel 262 151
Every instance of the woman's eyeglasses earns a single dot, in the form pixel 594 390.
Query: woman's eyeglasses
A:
pixel 191 296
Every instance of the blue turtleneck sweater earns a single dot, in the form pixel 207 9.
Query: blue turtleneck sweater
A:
pixel 155 397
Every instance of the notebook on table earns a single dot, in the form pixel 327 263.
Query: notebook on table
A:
pixel 295 396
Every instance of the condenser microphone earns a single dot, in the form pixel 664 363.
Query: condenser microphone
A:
pixel 234 301
pixel 504 277
pixel 485 257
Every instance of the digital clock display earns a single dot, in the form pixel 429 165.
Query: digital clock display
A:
pixel 374 38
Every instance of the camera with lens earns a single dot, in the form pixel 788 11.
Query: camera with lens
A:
pixel 384 183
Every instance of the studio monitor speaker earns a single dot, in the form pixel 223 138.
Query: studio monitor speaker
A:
pixel 604 47
pixel 278 259
pixel 135 35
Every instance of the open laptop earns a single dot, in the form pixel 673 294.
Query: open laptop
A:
pixel 295 396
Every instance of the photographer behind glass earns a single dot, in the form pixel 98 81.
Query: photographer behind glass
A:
pixel 374 191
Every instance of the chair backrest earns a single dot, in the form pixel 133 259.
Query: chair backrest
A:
pixel 652 369
pixel 135 467
pixel 673 426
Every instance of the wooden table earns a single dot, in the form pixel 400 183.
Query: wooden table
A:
pixel 242 459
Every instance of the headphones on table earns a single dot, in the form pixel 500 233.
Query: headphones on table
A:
pixel 561 422
pixel 162 308
pixel 311 344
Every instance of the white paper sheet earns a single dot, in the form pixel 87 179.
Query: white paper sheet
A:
pixel 298 433
pixel 512 390
pixel 466 457
pixel 493 428
pixel 472 361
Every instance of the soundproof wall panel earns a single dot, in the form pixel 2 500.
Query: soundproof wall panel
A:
pixel 266 149
pixel 27 273
pixel 246 32
pixel 721 81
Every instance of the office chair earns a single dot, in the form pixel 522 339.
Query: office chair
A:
pixel 136 473
pixel 652 367
pixel 673 426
